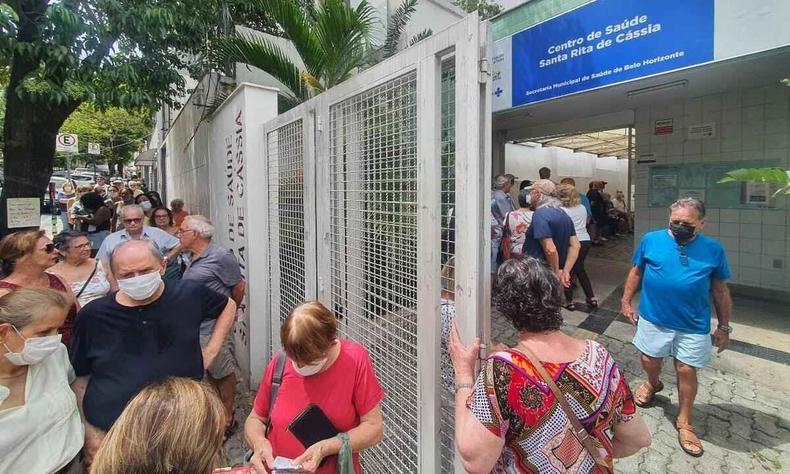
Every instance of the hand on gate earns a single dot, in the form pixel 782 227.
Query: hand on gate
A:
pixel 464 358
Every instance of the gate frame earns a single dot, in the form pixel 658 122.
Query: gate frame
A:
pixel 469 42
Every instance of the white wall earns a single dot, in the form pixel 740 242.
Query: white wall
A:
pixel 186 170
pixel 752 125
pixel 218 174
pixel 525 161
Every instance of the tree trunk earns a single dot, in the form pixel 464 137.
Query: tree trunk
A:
pixel 30 129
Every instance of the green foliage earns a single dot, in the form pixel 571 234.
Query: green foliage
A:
pixel 775 176
pixel 125 53
pixel 120 133
pixel 330 38
pixel 485 8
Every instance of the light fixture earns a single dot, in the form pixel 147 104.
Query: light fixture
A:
pixel 682 84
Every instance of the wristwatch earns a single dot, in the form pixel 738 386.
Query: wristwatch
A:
pixel 725 328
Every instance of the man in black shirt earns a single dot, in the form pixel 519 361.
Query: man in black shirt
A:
pixel 146 331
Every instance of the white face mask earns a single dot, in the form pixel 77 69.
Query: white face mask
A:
pixel 311 369
pixel 34 351
pixel 146 205
pixel 142 286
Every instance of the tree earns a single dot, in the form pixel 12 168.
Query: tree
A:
pixel 485 8
pixel 120 133
pixel 331 38
pixel 776 176
pixel 60 54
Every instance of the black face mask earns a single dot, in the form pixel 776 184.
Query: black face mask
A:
pixel 682 232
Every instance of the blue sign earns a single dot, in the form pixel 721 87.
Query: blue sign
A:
pixel 609 41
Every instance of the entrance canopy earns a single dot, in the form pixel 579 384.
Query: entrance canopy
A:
pixel 618 142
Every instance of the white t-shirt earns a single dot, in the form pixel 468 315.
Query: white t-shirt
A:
pixel 578 215
pixel 45 433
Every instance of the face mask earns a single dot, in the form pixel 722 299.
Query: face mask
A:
pixel 311 369
pixel 682 232
pixel 34 351
pixel 146 205
pixel 140 287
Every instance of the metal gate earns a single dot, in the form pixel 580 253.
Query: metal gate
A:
pixel 376 188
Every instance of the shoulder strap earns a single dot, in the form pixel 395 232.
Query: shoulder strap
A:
pixel 587 440
pixel 88 280
pixel 277 379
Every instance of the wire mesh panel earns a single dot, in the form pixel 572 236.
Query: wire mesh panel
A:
pixel 286 221
pixel 373 226
pixel 448 261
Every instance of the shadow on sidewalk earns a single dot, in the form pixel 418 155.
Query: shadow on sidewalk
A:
pixel 732 427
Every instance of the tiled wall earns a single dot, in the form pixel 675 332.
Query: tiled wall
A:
pixel 752 125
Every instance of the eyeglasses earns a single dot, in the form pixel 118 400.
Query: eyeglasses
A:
pixel 132 221
pixel 161 216
pixel 181 232
pixel 684 258
pixel 49 248
pixel 81 246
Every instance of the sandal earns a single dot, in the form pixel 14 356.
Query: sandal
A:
pixel 645 394
pixel 689 442
pixel 570 306
pixel 592 302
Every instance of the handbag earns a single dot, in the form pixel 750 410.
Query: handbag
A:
pixel 590 443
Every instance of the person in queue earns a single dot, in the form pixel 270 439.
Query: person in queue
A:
pixel 84 274
pixel 40 426
pixel 334 374
pixel 126 198
pixel 145 203
pixel 155 434
pixel 133 217
pixel 216 268
pixel 155 198
pixel 680 271
pixel 503 421
pixel 146 331
pixel 25 257
pixel 551 235
pixel 516 224
pixel 572 206
pixel 98 220
pixel 179 213
pixel 162 219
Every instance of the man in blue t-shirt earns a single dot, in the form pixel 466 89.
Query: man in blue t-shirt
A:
pixel 680 270
pixel 551 235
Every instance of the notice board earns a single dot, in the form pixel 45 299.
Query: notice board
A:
pixel 667 183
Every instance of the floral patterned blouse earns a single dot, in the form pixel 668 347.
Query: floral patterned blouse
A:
pixel 512 401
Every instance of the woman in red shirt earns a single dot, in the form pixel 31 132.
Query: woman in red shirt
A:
pixel 334 374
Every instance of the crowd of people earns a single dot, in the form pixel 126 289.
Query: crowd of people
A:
pixel 117 356
pixel 557 223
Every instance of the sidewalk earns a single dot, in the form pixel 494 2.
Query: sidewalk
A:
pixel 743 423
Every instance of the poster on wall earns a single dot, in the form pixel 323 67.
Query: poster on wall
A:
pixel 663 127
pixel 602 43
pixel 755 193
pixel 23 212
pixel 702 131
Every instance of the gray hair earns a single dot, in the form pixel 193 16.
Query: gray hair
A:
pixel 689 203
pixel 156 252
pixel 177 202
pixel 500 180
pixel 28 305
pixel 200 225
pixel 130 207
pixel 547 200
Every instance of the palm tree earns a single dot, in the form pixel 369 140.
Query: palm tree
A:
pixel 331 38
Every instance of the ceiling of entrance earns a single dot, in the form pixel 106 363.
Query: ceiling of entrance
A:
pixel 605 143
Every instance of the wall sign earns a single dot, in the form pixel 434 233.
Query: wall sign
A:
pixel 602 43
pixel 701 131
pixel 663 127
pixel 23 212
